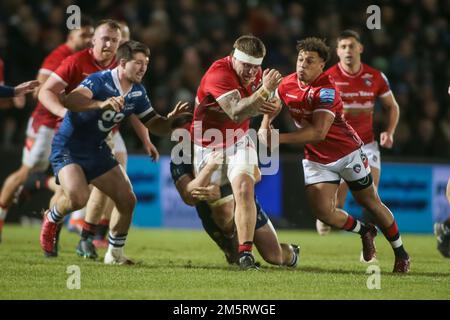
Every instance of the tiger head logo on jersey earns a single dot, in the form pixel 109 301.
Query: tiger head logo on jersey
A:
pixel 368 82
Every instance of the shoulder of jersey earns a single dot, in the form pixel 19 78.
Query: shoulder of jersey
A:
pixel 334 69
pixel 369 69
pixel 221 64
pixel 324 81
pixel 290 78
pixel 78 55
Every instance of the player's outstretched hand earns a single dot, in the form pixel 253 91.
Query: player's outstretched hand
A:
pixel 181 108
pixel 113 103
pixel 386 140
pixel 271 79
pixel 26 87
pixel 151 150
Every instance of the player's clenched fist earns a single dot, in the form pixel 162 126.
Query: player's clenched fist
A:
pixel 271 79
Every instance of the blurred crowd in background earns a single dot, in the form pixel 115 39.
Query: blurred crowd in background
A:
pixel 186 36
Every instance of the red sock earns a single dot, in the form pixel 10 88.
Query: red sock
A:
pixel 246 246
pixel 89 230
pixel 391 233
pixel 104 222
pixel 349 224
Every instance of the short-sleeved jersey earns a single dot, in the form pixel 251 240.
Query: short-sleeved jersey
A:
pixel 77 67
pixel 2 70
pixel 89 129
pixel 320 96
pixel 219 81
pixel 359 92
pixel 41 115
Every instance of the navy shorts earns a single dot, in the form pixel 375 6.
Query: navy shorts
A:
pixel 94 161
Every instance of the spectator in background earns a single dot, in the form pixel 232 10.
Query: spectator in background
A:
pixel 410 47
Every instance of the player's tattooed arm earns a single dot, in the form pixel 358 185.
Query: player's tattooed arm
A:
pixel 241 109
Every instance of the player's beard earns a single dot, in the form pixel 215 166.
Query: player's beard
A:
pixel 107 54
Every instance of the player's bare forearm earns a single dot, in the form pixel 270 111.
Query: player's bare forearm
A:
pixel 140 129
pixel 49 96
pixel 265 123
pixel 181 186
pixel 41 78
pixel 241 109
pixel 394 116
pixel 310 133
pixel 78 101
pixel 51 101
pixel 302 136
pixel 160 126
pixel 202 179
pixel 393 108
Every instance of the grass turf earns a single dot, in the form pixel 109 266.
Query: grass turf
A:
pixel 186 264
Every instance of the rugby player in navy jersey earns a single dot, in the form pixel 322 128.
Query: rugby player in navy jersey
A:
pixel 80 155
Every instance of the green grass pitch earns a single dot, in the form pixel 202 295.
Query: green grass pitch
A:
pixel 186 264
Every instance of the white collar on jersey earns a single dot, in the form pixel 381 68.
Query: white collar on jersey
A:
pixel 115 77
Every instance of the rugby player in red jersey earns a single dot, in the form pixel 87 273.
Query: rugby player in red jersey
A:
pixel 359 86
pixel 332 152
pixel 233 90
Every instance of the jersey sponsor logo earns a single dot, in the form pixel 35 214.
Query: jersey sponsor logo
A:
pixel 110 88
pixel 364 159
pixel 357 168
pixel 128 106
pixel 291 96
pixel 295 110
pixel 365 94
pixel 326 96
pixel 356 94
pixel 134 94
pixel 368 82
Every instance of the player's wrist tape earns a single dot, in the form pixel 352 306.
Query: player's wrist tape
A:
pixel 264 93
pixel 246 58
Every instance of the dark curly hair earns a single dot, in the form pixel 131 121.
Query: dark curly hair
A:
pixel 315 45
